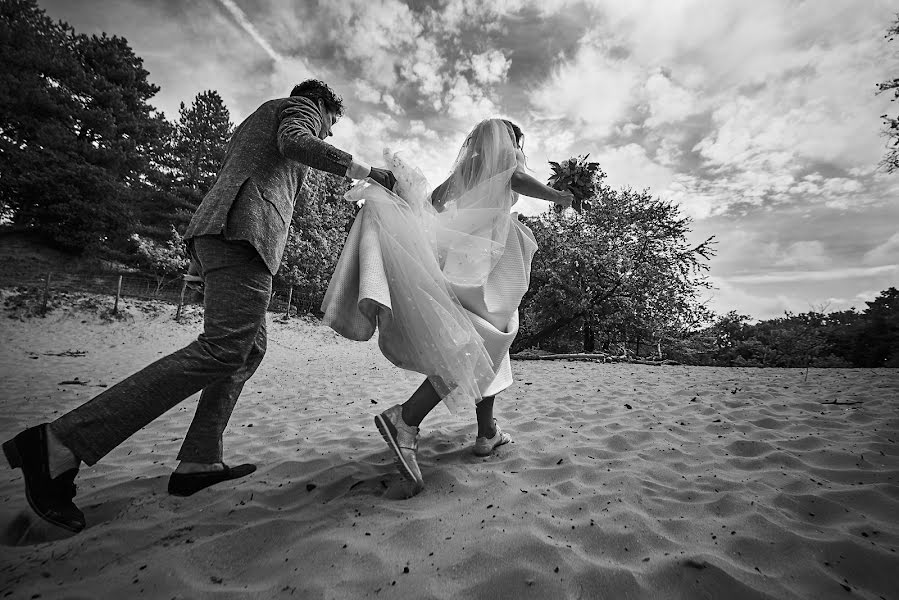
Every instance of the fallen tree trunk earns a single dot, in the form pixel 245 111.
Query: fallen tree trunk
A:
pixel 598 357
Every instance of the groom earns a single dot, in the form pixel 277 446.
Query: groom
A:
pixel 236 238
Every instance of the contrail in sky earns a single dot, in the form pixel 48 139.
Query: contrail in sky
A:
pixel 241 18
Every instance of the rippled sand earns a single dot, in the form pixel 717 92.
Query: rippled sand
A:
pixel 623 481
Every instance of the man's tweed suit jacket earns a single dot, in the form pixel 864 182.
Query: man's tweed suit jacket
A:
pixel 265 162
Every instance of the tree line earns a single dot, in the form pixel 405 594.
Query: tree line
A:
pixel 848 338
pixel 86 160
pixel 89 164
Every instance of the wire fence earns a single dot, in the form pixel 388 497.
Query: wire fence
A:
pixel 139 286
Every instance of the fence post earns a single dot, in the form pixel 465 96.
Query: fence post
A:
pixel 289 298
pixel 118 294
pixel 46 294
pixel 180 302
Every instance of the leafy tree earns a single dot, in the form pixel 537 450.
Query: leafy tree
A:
pixel 75 129
pixel 729 330
pixel 167 260
pixel 620 274
pixel 792 340
pixel 891 124
pixel 318 230
pixel 843 330
pixel 877 342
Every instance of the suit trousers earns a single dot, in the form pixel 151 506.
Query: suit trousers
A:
pixel 222 358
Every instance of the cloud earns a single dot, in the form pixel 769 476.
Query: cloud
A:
pixel 781 99
pixel 489 67
pixel 465 101
pixel 284 75
pixel 593 93
pixel 727 296
pixel 630 166
pixel 668 101
pixel 371 35
pixel 367 135
pixel 420 129
pixel 366 92
pixel 424 68
pixel 807 276
pixel 809 254
pixel 885 253
pixel 455 16
pixel 772 300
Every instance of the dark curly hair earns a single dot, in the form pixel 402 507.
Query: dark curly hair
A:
pixel 319 90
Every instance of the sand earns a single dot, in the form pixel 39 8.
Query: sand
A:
pixel 623 481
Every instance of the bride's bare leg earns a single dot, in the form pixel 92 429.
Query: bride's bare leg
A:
pixel 422 401
pixel 484 410
pixel 490 435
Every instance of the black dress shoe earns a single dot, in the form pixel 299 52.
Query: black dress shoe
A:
pixel 50 498
pixel 187 484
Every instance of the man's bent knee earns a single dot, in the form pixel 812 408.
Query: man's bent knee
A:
pixel 221 358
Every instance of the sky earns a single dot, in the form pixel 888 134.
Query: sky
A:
pixel 759 119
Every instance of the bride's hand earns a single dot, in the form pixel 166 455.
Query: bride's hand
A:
pixel 564 198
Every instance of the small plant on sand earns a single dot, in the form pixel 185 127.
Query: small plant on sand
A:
pixel 168 261
pixel 27 302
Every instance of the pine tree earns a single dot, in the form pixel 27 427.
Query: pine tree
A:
pixel 201 134
pixel 191 153
pixel 76 131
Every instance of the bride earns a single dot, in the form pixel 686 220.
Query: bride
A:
pixel 441 276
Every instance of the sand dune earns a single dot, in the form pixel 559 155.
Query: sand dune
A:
pixel 623 481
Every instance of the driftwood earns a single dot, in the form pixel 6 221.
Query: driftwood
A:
pixel 531 356
pixel 585 357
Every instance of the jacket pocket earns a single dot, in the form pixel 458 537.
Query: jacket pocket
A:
pixel 283 205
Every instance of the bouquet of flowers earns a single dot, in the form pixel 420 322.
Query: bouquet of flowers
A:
pixel 578 176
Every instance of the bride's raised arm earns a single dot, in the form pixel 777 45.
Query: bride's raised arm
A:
pixel 521 182
pixel 527 185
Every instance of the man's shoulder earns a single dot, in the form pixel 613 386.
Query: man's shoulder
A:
pixel 290 101
pixel 276 105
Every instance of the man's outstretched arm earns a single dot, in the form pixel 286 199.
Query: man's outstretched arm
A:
pixel 300 122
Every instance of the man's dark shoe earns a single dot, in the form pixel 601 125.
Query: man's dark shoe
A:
pixel 187 484
pixel 50 498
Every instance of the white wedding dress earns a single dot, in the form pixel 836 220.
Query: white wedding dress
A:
pixel 443 288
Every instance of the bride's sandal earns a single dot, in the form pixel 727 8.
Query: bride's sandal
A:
pixel 484 446
pixel 403 441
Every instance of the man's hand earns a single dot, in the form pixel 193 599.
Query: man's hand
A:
pixel 382 177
